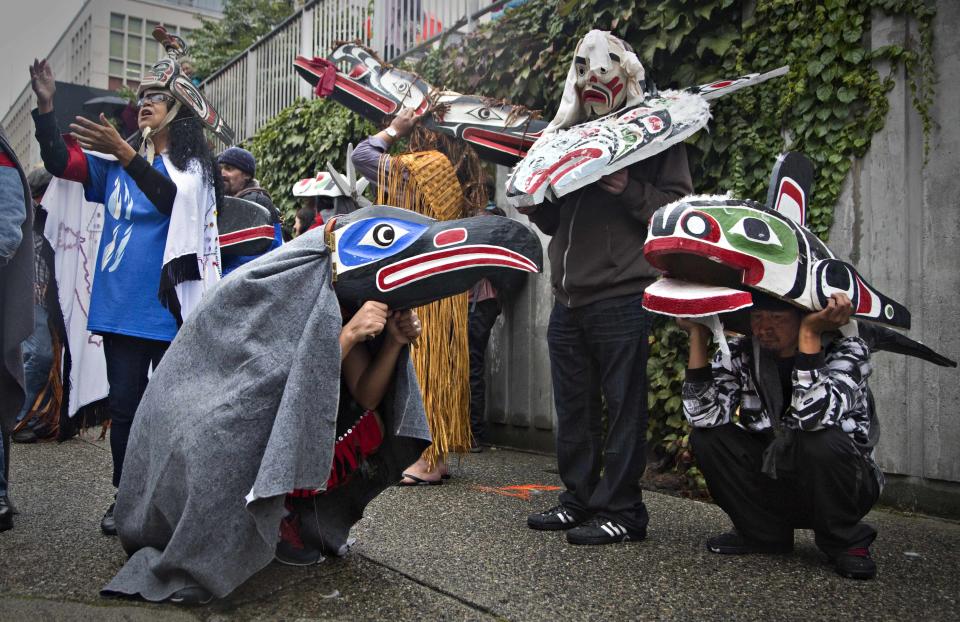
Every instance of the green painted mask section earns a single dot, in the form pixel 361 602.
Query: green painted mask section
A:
pixel 742 233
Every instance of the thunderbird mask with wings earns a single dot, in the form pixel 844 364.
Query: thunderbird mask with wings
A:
pixel 404 259
pixel 715 251
pixel 606 78
pixel 499 132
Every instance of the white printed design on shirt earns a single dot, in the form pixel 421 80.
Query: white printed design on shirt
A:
pixel 120 206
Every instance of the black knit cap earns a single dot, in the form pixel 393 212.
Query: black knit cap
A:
pixel 239 158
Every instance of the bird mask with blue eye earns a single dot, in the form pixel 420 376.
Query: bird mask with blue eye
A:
pixel 406 260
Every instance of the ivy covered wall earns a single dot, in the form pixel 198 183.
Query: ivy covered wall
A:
pixel 828 106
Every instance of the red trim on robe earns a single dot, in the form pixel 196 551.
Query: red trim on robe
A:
pixel 263 232
pixel 350 450
pixel 5 160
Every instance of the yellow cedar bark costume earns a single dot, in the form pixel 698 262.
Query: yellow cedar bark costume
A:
pixel 425 183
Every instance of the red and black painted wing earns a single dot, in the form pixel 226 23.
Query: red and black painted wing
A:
pixel 245 227
pixel 499 132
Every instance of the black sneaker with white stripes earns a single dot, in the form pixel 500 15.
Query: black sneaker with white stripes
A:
pixel 556 519
pixel 603 531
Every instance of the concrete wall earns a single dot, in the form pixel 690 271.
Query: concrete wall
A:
pixel 897 220
pixel 520 410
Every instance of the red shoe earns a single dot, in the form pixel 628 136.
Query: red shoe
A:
pixel 290 549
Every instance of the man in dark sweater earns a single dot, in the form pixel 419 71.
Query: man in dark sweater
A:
pixel 237 169
pixel 598 343
pixel 598 329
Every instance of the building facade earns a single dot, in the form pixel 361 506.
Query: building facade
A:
pixel 107 45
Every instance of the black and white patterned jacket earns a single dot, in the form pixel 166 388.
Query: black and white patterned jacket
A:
pixel 829 390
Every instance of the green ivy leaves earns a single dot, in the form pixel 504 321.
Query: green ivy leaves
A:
pixel 299 142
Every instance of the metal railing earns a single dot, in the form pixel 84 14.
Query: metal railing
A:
pixel 260 82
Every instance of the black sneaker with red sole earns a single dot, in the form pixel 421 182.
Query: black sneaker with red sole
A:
pixel 855 563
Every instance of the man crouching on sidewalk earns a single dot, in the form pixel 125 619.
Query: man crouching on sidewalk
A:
pixel 784 433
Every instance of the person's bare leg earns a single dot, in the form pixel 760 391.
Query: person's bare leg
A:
pixel 421 470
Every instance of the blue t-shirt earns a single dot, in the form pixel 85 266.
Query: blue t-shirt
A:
pixel 124 298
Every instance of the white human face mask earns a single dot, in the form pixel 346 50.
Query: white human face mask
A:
pixel 601 76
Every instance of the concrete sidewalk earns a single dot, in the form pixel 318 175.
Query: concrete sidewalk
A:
pixel 462 551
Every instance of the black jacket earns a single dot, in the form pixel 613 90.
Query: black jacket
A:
pixel 597 248
pixel 253 192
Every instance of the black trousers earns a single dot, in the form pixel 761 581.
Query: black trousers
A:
pixel 832 490
pixel 5 480
pixel 128 360
pixel 482 317
pixel 601 347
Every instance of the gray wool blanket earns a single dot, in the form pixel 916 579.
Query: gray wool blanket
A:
pixel 242 410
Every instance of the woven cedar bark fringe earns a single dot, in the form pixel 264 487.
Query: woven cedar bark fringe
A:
pixel 425 183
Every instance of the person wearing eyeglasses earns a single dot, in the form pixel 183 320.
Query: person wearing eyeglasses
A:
pixel 158 252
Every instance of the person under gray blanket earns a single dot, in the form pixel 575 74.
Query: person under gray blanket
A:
pixel 205 486
pixel 784 433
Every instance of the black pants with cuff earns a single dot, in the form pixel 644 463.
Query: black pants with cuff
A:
pixel 601 348
pixel 832 488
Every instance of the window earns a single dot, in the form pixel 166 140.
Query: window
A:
pixel 133 49
pixel 151 53
pixel 116 45
pixel 118 25
pixel 134 45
